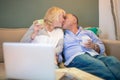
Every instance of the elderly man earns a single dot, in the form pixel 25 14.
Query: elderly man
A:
pixel 84 50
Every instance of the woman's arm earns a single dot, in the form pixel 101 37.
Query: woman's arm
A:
pixel 32 31
pixel 58 51
pixel 27 37
pixel 59 47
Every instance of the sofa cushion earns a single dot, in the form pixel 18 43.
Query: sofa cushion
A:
pixel 96 30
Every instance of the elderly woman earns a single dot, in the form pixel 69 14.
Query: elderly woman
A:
pixel 49 31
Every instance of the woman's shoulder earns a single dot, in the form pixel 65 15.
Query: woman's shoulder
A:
pixel 59 32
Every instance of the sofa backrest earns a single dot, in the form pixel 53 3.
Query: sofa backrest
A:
pixel 15 34
pixel 10 35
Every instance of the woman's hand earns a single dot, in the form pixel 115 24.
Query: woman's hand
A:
pixel 37 25
pixel 56 59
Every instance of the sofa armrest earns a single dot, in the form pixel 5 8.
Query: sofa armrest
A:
pixel 10 35
pixel 112 47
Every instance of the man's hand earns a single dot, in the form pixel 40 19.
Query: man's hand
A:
pixel 92 45
pixel 89 44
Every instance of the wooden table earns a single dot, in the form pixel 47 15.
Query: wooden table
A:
pixel 62 74
pixel 76 74
pixel 2 72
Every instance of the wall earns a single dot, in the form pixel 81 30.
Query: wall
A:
pixel 21 13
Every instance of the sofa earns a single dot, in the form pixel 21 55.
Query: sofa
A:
pixel 15 34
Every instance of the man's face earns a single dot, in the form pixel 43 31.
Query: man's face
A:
pixel 69 20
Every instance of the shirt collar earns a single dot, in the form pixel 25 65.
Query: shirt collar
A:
pixel 69 32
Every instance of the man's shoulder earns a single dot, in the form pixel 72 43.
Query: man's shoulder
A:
pixel 88 32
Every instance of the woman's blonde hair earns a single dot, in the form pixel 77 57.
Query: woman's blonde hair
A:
pixel 52 15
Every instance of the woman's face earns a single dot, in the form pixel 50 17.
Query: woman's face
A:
pixel 59 22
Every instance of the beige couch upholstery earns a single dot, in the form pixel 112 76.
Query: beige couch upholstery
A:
pixel 15 34
pixel 10 35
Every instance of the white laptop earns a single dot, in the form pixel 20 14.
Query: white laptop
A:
pixel 29 61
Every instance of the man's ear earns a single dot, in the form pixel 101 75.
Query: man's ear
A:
pixel 74 21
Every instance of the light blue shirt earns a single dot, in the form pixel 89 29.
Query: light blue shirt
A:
pixel 73 47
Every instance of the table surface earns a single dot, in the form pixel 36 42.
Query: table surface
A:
pixel 62 74
pixel 2 71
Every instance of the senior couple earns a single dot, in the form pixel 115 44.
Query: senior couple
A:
pixel 81 48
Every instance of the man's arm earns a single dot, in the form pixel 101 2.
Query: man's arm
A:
pixel 96 43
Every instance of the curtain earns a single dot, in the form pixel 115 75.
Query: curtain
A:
pixel 106 23
pixel 115 8
pixel 109 19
